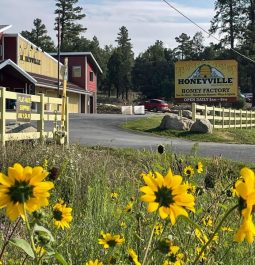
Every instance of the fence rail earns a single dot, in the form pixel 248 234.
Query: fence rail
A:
pixel 38 115
pixel 224 117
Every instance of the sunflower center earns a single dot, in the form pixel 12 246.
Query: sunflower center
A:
pixel 20 192
pixel 111 242
pixel 164 196
pixel 57 215
pixel 188 172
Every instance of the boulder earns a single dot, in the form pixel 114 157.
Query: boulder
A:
pixel 175 122
pixel 187 114
pixel 202 126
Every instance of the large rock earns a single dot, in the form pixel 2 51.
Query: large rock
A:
pixel 202 126
pixel 175 122
pixel 187 114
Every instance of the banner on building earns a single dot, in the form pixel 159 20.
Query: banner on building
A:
pixel 206 81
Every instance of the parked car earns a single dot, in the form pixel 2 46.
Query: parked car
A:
pixel 248 97
pixel 156 105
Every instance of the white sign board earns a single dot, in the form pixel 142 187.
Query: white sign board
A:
pixel 139 110
pixel 127 110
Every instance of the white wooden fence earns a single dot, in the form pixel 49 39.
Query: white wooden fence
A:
pixel 39 115
pixel 223 117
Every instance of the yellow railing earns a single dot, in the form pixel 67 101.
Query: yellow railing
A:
pixel 223 117
pixel 39 115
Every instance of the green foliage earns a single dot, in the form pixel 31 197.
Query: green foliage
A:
pixel 39 36
pixel 88 178
pixel 24 245
pixel 68 14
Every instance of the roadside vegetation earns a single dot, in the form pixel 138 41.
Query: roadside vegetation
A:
pixel 151 123
pixel 122 206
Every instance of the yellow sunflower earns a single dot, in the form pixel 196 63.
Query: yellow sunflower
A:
pixel 168 195
pixel 108 240
pixel 166 246
pixel 188 171
pixel 246 230
pixel 62 215
pixel 158 229
pixel 95 262
pixel 24 188
pixel 199 167
pixel 133 257
pixel 245 190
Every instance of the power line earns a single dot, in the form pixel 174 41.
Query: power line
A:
pixel 208 33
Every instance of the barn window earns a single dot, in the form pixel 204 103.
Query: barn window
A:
pixel 91 76
pixel 76 71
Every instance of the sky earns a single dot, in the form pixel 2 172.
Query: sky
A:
pixel 146 20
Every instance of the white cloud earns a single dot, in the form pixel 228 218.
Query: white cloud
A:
pixel 146 20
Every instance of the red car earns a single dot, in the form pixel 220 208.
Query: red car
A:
pixel 156 105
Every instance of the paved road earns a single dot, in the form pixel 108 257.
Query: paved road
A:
pixel 104 130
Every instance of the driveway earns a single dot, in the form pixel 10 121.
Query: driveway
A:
pixel 104 130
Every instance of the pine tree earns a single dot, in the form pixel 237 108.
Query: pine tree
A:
pixel 38 36
pixel 67 15
pixel 123 58
pixel 229 20
pixel 184 49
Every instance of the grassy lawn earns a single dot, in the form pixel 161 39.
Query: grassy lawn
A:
pixel 150 125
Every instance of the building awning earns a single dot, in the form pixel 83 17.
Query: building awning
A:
pixel 50 82
pixel 9 63
pixel 4 27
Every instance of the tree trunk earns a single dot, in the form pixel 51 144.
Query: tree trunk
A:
pixel 231 25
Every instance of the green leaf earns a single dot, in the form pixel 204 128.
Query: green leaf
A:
pixel 60 258
pixel 191 222
pixel 24 245
pixel 40 228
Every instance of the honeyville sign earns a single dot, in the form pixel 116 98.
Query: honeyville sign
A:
pixel 206 81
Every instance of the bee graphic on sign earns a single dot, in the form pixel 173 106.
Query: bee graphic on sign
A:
pixel 206 71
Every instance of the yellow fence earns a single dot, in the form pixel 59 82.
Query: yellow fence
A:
pixel 223 117
pixel 38 115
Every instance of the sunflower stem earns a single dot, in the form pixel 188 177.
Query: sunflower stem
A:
pixel 214 233
pixel 30 235
pixel 149 244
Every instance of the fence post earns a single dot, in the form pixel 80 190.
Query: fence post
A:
pixel 235 119
pixel 2 120
pixel 213 117
pixel 251 119
pixel 194 111
pixel 223 118
pixel 246 119
pixel 67 121
pixel 241 118
pixel 40 123
pixel 229 121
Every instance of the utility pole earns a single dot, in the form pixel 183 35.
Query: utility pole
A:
pixel 58 53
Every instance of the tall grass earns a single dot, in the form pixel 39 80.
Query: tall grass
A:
pixel 88 176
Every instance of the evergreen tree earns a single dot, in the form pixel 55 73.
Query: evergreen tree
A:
pixel 197 45
pixel 38 36
pixel 184 49
pixel 123 58
pixel 67 15
pixel 248 48
pixel 229 20
pixel 153 72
